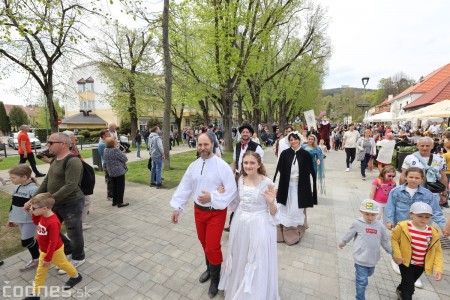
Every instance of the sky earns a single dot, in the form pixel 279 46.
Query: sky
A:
pixel 380 38
pixel 369 38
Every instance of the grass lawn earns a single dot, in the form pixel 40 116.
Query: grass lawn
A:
pixel 9 237
pixel 138 172
pixel 11 161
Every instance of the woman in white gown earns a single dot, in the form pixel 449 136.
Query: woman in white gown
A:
pixel 251 268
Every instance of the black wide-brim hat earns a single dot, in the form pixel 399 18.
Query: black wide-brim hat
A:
pixel 246 126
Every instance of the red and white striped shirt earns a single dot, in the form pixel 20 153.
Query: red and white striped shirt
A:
pixel 420 240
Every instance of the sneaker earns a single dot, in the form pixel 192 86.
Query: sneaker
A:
pixel 364 178
pixel 40 175
pixel 109 198
pixel 346 170
pixel 395 267
pixel 159 186
pixel 75 263
pixel 72 282
pixel 418 284
pixel 31 265
pixel 152 184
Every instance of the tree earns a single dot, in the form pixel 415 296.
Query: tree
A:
pixel 35 35
pixel 167 83
pixel 126 63
pixel 18 117
pixel 222 44
pixel 5 124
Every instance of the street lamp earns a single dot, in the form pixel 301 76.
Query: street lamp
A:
pixel 365 81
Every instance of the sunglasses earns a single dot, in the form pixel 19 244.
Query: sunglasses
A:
pixel 51 143
pixel 34 208
pixel 391 176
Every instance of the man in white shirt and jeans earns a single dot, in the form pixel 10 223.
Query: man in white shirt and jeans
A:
pixel 350 138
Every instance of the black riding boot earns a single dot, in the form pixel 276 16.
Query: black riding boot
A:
pixel 215 278
pixel 205 275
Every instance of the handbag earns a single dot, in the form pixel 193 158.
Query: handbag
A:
pixel 433 186
pixel 360 155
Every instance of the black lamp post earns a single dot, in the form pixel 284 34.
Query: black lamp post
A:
pixel 365 81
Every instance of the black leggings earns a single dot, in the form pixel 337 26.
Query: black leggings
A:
pixel 350 152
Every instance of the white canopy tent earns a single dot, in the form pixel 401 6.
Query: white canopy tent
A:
pixel 440 109
pixel 382 117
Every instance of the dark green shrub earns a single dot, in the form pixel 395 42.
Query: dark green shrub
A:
pixel 85 133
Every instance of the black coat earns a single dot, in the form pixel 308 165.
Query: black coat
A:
pixel 306 196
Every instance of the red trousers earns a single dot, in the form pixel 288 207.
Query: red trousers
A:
pixel 210 225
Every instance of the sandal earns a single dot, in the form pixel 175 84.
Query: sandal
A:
pixel 291 235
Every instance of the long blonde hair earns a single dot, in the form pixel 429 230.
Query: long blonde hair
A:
pixel 261 169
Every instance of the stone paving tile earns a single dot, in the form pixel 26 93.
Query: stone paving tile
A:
pixel 136 253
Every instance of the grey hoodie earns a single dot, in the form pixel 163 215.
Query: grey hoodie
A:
pixel 155 145
pixel 367 240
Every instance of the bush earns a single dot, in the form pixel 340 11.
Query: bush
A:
pixel 41 133
pixel 94 134
pixel 154 122
pixel 85 133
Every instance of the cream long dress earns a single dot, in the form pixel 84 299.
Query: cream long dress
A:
pixel 250 271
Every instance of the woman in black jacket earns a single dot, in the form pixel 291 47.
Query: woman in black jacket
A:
pixel 296 192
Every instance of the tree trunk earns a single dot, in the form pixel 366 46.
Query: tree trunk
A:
pixel 227 104
pixel 133 112
pixel 48 92
pixel 204 106
pixel 168 84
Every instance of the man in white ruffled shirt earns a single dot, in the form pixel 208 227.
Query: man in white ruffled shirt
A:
pixel 201 181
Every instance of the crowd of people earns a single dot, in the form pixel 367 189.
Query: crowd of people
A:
pixel 265 211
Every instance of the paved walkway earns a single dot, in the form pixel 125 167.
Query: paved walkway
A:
pixel 136 253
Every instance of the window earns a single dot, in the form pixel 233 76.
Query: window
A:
pixel 81 87
pixel 90 87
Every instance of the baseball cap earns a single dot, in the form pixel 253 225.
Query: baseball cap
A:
pixel 369 206
pixel 421 208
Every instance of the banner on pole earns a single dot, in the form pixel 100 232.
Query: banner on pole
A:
pixel 310 118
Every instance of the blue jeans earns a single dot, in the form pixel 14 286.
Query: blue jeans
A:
pixel 362 280
pixel 364 164
pixel 138 151
pixel 156 171
pixel 70 214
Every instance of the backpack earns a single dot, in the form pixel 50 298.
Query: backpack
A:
pixel 88 180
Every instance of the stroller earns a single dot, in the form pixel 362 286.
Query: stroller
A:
pixel 124 144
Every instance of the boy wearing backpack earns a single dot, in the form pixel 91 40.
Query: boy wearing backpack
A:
pixel 63 182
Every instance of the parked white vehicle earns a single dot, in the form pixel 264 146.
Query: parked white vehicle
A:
pixel 12 140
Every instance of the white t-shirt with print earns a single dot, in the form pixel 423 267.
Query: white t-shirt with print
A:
pixel 438 162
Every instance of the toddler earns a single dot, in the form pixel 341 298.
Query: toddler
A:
pixel 50 244
pixel 368 234
pixel 323 147
pixel 417 248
